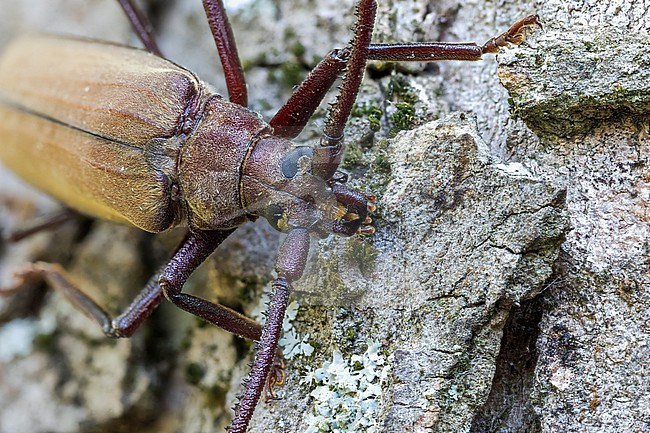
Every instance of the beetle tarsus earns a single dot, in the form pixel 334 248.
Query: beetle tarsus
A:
pixel 366 230
pixel 514 35
pixel 276 376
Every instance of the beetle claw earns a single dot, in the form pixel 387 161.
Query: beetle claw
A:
pixel 514 35
pixel 371 199
pixel 351 216
pixel 276 376
pixel 366 230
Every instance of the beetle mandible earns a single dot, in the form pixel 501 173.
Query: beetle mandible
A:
pixel 134 138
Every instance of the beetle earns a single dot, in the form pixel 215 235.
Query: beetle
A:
pixel 133 138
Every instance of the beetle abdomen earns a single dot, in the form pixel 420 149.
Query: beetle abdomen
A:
pixel 116 92
pixel 96 176
pixel 87 122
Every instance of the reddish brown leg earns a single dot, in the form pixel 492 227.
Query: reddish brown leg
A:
pixel 141 25
pixel 429 52
pixel 328 156
pixel 294 115
pixel 124 325
pixel 289 266
pixel 196 247
pixel 190 254
pixel 291 119
pixel 333 132
pixel 46 222
pixel 225 40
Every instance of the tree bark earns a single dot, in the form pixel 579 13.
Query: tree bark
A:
pixel 506 287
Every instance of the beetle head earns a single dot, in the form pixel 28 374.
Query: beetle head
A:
pixel 277 183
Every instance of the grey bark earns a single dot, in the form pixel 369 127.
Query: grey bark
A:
pixel 506 288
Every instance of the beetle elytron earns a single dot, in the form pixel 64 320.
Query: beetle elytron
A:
pixel 123 134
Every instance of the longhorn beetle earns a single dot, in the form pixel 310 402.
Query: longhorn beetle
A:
pixel 123 134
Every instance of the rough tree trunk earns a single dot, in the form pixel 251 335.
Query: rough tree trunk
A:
pixel 506 288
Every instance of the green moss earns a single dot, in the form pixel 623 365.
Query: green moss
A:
pixel 371 112
pixel 329 286
pixel 259 59
pixel 292 72
pixel 362 253
pixel 403 118
pixel 351 335
pixel 363 130
pixel 186 343
pixel 44 342
pixel 332 281
pixel 380 172
pixel 399 89
pixel 353 157
pixel 297 49
pixel 194 373
pixel 404 98
pixel 215 396
pixel 289 33
pixel 381 164
pixel 382 68
pixel 200 323
pixel 288 74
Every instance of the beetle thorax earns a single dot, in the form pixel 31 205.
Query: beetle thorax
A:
pixel 210 163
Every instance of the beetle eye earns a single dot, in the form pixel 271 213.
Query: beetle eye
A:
pixel 274 213
pixel 291 162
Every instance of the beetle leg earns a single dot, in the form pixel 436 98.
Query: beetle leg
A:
pixel 60 281
pixel 432 51
pixel 289 265
pixel 225 40
pixel 195 248
pixel 291 119
pixel 45 222
pixel 191 253
pixel 141 25
pixel 328 156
